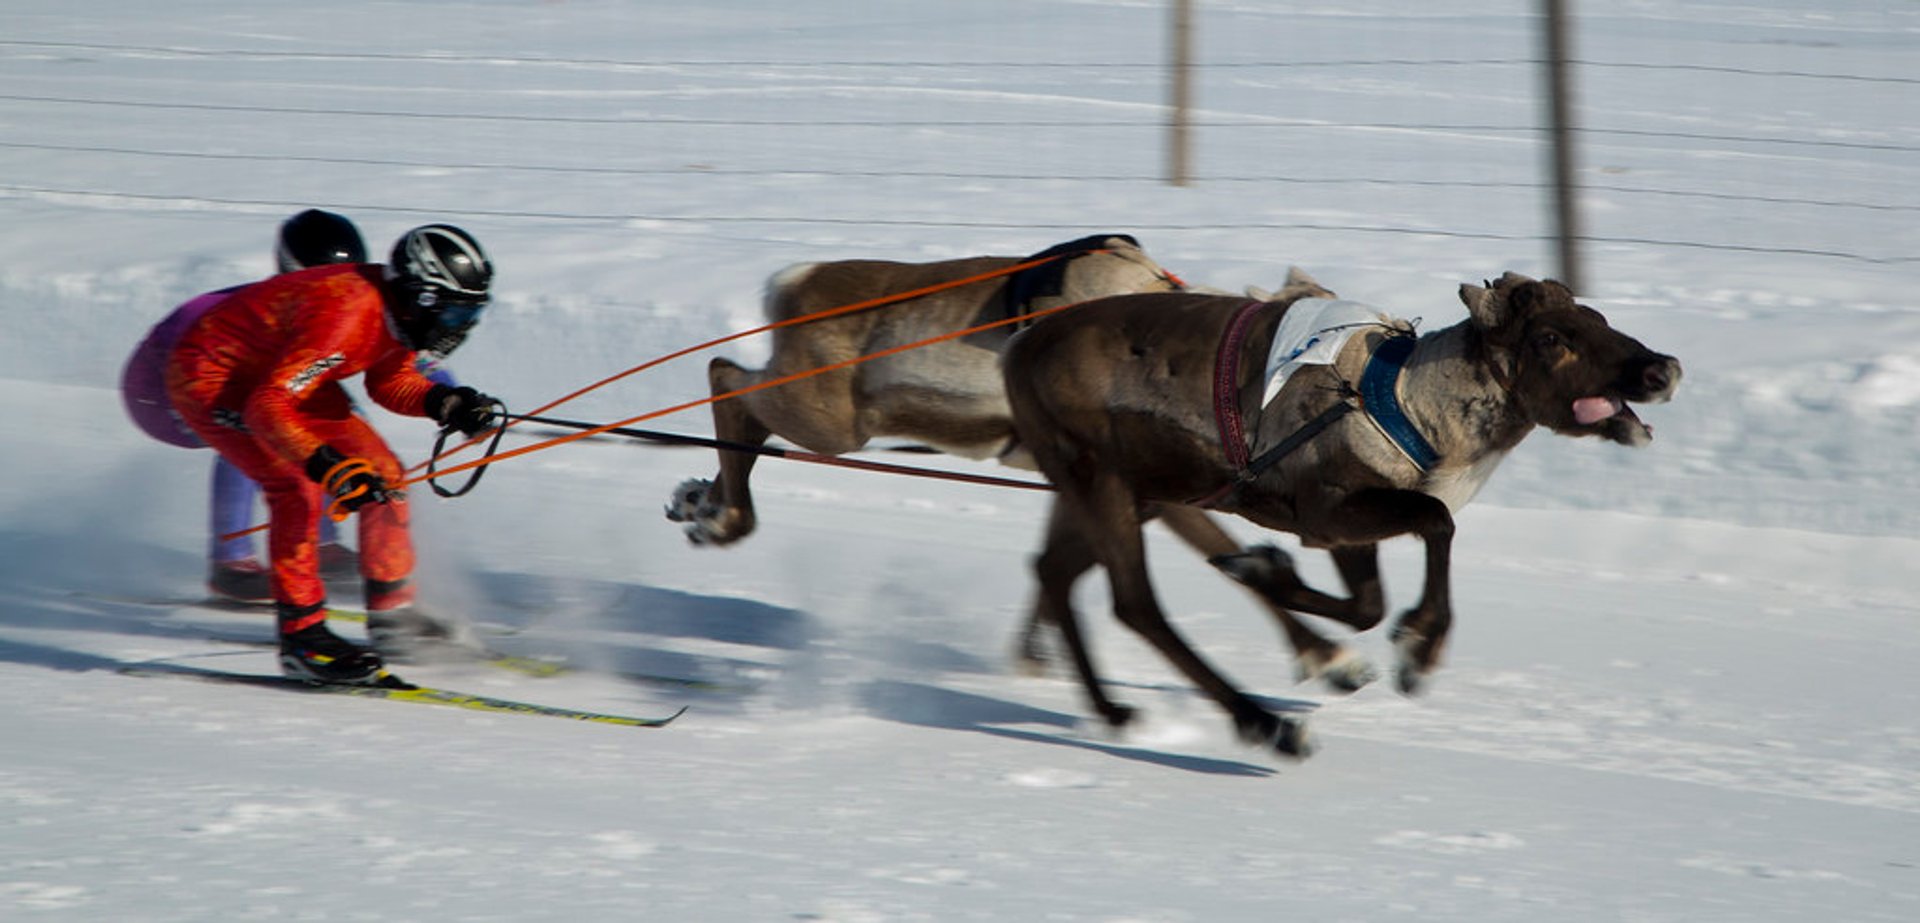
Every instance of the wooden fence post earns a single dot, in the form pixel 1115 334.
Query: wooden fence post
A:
pixel 1560 118
pixel 1181 93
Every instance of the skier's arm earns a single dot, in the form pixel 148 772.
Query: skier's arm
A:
pixel 272 412
pixel 395 383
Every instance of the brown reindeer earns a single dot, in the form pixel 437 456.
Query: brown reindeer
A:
pixel 951 396
pixel 1139 401
pixel 947 395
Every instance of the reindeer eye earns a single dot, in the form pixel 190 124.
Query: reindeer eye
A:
pixel 1546 340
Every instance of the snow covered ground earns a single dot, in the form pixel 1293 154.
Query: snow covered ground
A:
pixel 1680 689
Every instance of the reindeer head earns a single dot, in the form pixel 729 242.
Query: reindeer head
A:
pixel 1568 369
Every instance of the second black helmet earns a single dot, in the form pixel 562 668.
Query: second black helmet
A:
pixel 316 238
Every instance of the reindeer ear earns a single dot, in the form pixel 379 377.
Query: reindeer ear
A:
pixel 1487 307
pixel 1298 276
pixel 1525 298
pixel 1555 290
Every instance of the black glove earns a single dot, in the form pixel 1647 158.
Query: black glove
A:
pixel 461 408
pixel 351 482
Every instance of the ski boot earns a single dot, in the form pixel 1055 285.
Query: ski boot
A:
pixel 408 634
pixel 316 654
pixel 398 629
pixel 242 580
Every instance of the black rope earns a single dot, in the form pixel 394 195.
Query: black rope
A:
pixel 695 442
pixel 499 413
pixel 676 439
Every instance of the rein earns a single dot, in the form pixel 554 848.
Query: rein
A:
pixel 788 454
pixel 438 455
pixel 737 392
pixel 851 308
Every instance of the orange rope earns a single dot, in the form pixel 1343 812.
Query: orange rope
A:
pixel 789 322
pixel 737 392
pixel 336 478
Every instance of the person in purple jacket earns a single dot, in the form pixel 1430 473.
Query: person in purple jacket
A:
pixel 310 238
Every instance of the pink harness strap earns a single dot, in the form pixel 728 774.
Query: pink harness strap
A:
pixel 1226 398
pixel 1226 392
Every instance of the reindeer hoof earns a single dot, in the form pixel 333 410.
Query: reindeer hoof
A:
pixel 1118 716
pixel 1030 655
pixel 1416 661
pixel 1411 683
pixel 1254 567
pixel 709 523
pixel 1287 736
pixel 1295 740
pixel 1344 672
pixel 692 501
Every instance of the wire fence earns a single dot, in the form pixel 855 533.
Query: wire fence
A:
pixel 1876 179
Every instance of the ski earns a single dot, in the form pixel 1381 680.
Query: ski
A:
pixel 534 666
pixel 455 654
pixel 394 688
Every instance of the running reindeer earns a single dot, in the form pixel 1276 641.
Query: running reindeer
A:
pixel 1131 403
pixel 949 395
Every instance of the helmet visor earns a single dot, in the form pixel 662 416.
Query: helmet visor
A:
pixel 448 319
pixel 462 313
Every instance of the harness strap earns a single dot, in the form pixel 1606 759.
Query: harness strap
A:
pixel 1226 390
pixel 1376 393
pixel 1296 439
pixel 1048 274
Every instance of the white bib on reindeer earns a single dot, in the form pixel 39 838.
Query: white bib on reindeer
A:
pixel 1311 333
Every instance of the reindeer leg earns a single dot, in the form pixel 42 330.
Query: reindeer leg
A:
pixel 1269 572
pixel 1421 633
pixel 1112 525
pixel 1058 566
pixel 1365 519
pixel 722 513
pixel 1273 580
pixel 1366 602
pixel 1064 558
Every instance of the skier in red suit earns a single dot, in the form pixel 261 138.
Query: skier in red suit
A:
pixel 258 377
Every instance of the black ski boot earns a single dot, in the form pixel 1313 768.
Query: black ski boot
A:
pixel 315 653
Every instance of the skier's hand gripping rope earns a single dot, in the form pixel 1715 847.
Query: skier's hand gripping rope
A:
pixel 463 409
pixel 468 412
pixel 351 482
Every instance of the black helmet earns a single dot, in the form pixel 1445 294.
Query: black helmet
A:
pixel 440 278
pixel 316 238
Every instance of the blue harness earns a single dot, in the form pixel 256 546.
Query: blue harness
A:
pixel 1376 396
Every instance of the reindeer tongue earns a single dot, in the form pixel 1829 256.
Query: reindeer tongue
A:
pixel 1588 410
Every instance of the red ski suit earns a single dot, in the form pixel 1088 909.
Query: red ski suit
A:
pixel 258 377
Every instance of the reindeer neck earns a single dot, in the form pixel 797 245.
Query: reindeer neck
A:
pixel 1451 396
